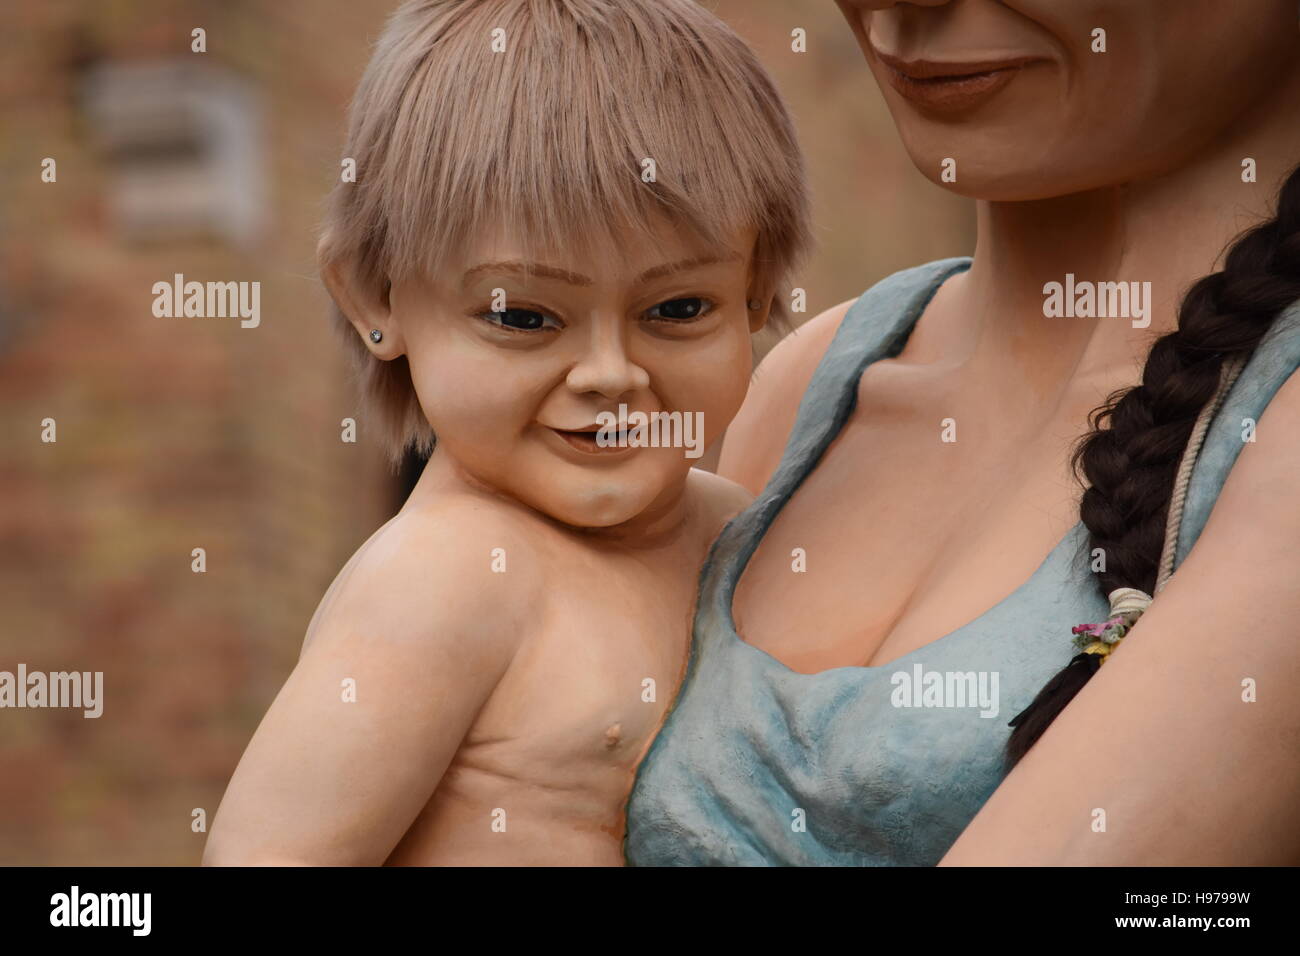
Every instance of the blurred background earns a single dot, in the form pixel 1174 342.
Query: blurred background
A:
pixel 176 434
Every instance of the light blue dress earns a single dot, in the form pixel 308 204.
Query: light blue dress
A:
pixel 759 765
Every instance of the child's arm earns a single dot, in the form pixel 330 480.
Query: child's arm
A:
pixel 425 629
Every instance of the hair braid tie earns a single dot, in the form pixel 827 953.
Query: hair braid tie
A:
pixel 1128 604
pixel 1098 640
pixel 1137 479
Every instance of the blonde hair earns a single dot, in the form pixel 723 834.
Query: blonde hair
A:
pixel 548 138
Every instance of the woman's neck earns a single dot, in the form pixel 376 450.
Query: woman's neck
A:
pixel 1166 230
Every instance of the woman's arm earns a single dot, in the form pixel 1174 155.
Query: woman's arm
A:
pixel 1161 740
pixel 757 435
pixel 423 631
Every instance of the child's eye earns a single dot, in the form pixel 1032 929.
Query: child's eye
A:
pixel 521 320
pixel 680 310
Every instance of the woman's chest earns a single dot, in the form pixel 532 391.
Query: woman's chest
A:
pixel 913 524
pixel 761 766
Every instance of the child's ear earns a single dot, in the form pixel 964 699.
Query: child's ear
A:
pixel 758 316
pixel 366 305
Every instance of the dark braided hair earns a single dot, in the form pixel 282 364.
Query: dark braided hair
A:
pixel 1131 454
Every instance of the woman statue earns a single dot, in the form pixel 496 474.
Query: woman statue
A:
pixel 870 626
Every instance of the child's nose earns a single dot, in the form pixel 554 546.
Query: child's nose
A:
pixel 605 366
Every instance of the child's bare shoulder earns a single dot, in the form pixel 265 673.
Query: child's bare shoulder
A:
pixel 460 565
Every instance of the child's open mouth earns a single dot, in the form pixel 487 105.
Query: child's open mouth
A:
pixel 584 439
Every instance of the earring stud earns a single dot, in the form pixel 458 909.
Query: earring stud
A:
pixel 754 305
pixel 376 336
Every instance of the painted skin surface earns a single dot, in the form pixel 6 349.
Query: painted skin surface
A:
pixel 1124 165
pixel 502 629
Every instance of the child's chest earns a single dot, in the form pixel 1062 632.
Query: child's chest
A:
pixel 589 686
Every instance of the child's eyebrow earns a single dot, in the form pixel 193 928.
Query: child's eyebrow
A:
pixel 660 271
pixel 574 278
pixel 530 268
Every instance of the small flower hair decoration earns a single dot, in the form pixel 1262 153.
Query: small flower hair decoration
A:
pixel 1101 638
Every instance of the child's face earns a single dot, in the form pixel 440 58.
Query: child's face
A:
pixel 657 325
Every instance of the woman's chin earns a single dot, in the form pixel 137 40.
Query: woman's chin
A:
pixel 998 178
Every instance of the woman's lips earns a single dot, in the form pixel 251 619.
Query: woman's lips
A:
pixel 950 87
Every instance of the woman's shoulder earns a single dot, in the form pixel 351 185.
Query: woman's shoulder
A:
pixel 1259 419
pixel 757 437
pixel 718 500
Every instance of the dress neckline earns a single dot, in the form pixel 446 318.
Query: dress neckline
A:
pixel 900 331
pixel 728 597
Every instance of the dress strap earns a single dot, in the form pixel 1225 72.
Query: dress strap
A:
pixel 876 326
pixel 1271 364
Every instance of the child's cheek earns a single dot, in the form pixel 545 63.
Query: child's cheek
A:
pixel 714 381
pixel 467 393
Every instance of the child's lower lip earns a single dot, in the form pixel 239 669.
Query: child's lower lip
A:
pixel 586 442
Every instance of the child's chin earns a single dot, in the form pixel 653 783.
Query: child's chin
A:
pixel 606 509
pixel 606 516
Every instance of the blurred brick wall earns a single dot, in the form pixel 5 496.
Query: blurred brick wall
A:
pixel 873 212
pixel 182 433
pixel 172 433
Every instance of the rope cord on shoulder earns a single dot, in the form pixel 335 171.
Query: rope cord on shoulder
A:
pixel 1227 376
